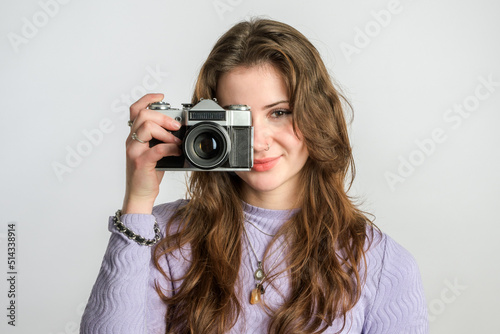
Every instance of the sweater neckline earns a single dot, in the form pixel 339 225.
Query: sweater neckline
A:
pixel 267 220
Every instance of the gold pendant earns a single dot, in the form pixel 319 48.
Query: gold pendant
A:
pixel 256 294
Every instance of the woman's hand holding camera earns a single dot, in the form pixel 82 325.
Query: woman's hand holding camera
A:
pixel 143 181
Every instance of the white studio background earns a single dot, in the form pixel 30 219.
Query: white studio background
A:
pixel 423 77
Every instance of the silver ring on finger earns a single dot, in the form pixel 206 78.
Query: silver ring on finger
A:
pixel 130 123
pixel 134 137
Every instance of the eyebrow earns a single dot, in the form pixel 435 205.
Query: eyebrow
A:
pixel 268 106
pixel 275 104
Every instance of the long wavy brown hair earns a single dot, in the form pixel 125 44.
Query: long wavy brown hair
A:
pixel 327 237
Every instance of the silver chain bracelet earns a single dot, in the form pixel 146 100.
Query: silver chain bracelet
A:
pixel 131 235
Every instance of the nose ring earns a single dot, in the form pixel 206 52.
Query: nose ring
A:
pixel 268 147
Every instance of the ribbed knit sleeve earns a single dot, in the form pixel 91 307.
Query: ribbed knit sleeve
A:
pixel 398 303
pixel 123 299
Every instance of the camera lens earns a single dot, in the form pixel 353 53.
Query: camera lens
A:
pixel 207 145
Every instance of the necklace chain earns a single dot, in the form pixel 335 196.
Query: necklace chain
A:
pixel 259 273
pixel 269 235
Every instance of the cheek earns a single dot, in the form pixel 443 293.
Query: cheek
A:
pixel 299 143
pixel 301 150
pixel 302 154
pixel 292 141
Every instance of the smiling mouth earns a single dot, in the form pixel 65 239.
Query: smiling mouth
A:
pixel 262 165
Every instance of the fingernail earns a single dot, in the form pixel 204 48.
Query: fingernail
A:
pixel 176 125
pixel 177 140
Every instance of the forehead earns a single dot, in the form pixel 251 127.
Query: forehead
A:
pixel 256 86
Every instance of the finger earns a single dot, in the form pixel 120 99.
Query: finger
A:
pixel 143 102
pixel 149 158
pixel 149 130
pixel 159 175
pixel 162 120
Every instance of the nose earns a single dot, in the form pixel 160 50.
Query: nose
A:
pixel 262 136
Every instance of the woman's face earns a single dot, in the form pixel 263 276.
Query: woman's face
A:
pixel 279 154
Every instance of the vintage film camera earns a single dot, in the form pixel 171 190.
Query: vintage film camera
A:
pixel 213 138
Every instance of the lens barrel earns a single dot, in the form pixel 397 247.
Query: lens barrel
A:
pixel 207 145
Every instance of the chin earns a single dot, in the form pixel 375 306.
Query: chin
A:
pixel 262 181
pixel 258 180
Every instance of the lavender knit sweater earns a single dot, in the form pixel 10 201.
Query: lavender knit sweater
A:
pixel 123 299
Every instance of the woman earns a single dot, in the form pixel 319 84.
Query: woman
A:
pixel 278 249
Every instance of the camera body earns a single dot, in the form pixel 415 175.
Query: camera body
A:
pixel 213 138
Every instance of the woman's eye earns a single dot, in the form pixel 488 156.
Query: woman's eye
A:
pixel 280 113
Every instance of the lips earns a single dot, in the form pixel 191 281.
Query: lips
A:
pixel 262 165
